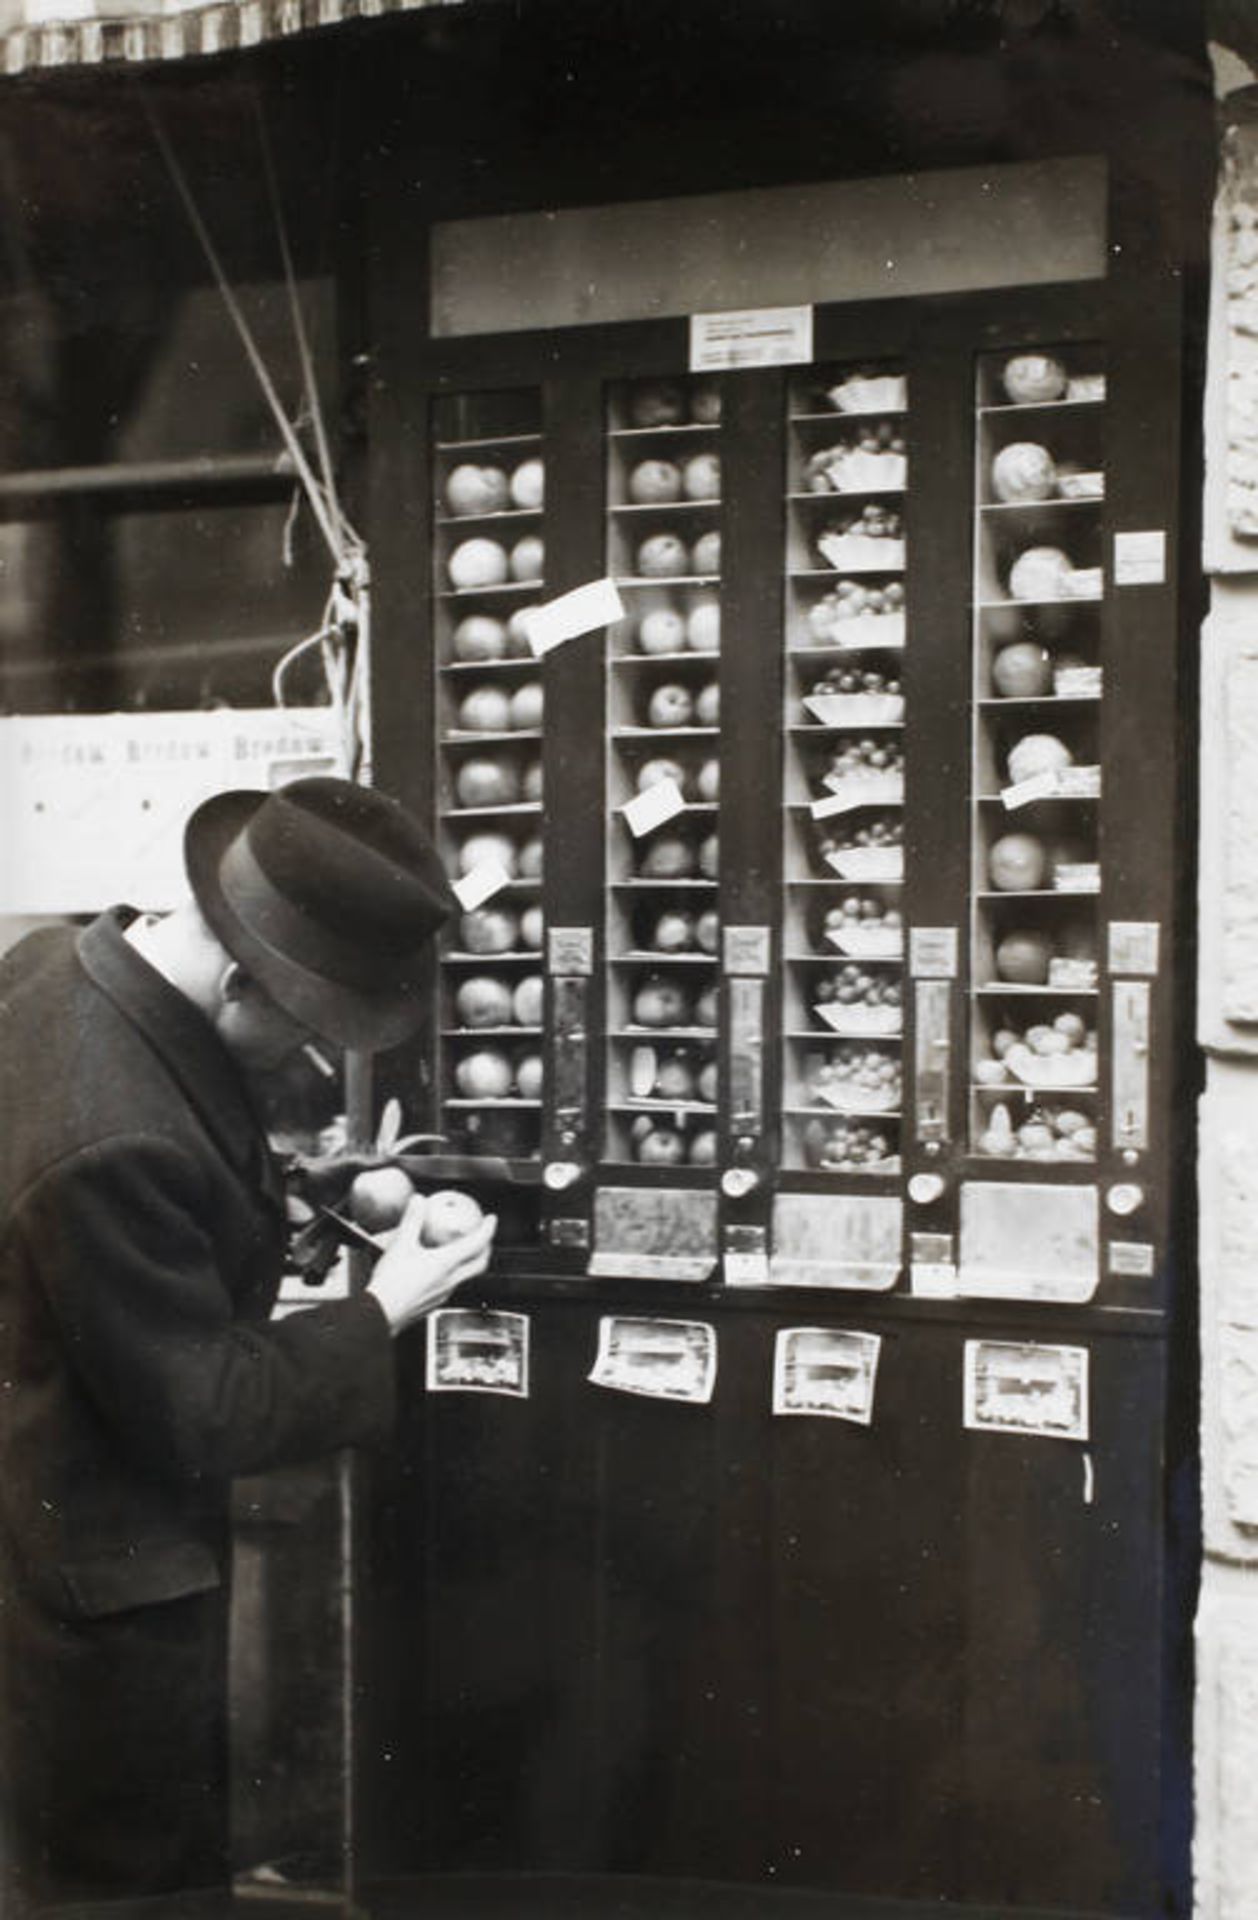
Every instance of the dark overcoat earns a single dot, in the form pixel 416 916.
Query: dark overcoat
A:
pixel 141 1249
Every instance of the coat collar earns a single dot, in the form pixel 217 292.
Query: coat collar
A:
pixel 186 1043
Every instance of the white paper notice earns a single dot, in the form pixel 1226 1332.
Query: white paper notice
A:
pixel 662 1359
pixel 652 808
pixel 755 337
pixel 596 604
pixel 1024 1387
pixel 471 1350
pixel 485 880
pixel 1140 559
pixel 826 1370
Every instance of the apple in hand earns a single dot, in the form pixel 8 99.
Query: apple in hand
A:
pixel 448 1216
pixel 379 1197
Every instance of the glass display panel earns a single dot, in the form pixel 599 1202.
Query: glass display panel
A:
pixel 1036 777
pixel 489 566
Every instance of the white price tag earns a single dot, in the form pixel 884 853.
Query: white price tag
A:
pixel 754 337
pixel 485 880
pixel 1140 559
pixel 651 809
pixel 596 604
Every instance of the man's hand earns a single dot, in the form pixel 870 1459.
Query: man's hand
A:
pixel 409 1280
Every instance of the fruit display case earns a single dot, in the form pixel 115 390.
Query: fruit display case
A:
pixel 488 568
pixel 663 452
pixel 1036 782
pixel 844 770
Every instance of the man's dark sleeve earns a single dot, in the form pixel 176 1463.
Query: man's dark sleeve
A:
pixel 113 1235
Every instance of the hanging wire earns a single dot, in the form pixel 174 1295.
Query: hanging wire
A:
pixel 330 529
pixel 343 637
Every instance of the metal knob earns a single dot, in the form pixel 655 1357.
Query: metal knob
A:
pixel 926 1187
pixel 559 1175
pixel 1124 1197
pixel 738 1182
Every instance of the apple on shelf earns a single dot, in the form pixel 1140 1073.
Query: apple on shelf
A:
pixel 660 1002
pixel 654 482
pixel 485 1074
pixel 530 1073
pixel 661 630
pixel 703 624
pixel 662 556
pixel 489 930
pixel 528 484
pixel 701 477
pixel 483 1000
pixel 670 705
pixel 474 489
pixel 668 856
pixel 479 637
pixel 488 849
pixel 478 563
pixel 485 710
pixel 1022 670
pixel 657 403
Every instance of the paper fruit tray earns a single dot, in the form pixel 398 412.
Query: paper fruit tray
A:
pixel 881 1023
pixel 868 943
pixel 868 863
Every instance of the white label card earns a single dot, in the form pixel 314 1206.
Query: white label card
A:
pixel 481 884
pixel 1140 559
pixel 753 337
pixel 651 809
pixel 933 953
pixel 597 604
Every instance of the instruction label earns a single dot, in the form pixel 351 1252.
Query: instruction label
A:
pixel 754 337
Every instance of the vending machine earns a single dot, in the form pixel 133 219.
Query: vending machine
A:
pixel 793 690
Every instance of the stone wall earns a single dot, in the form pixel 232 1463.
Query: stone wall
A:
pixel 1226 1754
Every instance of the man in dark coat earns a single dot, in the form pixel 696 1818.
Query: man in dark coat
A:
pixel 142 1234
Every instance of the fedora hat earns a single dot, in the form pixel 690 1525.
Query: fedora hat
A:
pixel 330 896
